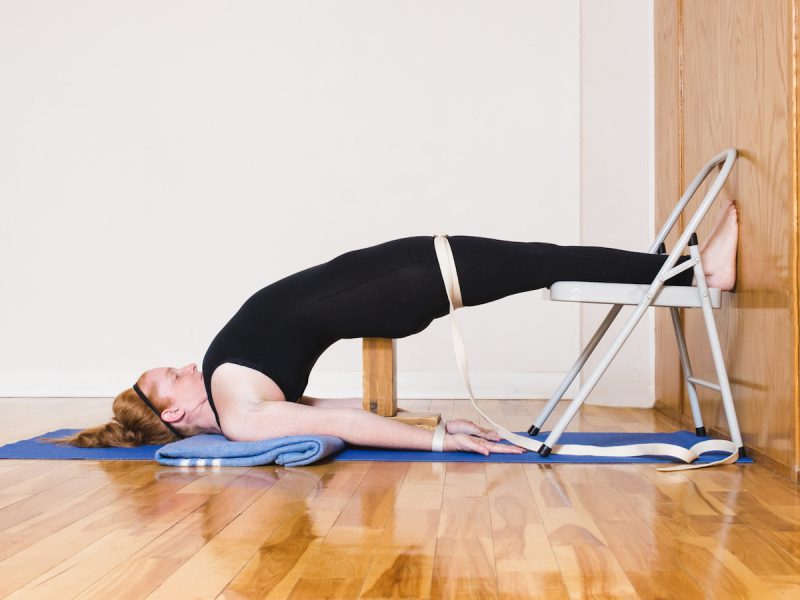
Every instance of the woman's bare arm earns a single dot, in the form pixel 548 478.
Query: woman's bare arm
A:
pixel 355 426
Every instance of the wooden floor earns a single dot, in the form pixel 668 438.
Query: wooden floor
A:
pixel 105 529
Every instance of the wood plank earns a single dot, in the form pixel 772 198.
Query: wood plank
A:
pixel 96 540
pixel 380 375
pixel 333 587
pixel 525 563
pixel 464 560
pixel 403 562
pixel 211 568
pixel 155 561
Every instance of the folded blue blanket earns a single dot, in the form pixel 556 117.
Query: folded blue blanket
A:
pixel 213 449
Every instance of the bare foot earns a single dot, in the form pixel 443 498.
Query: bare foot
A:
pixel 722 213
pixel 719 252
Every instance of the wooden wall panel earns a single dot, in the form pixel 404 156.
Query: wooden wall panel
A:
pixel 738 89
pixel 795 65
pixel 668 388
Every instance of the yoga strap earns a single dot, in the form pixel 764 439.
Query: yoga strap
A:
pixel 444 255
pixel 437 445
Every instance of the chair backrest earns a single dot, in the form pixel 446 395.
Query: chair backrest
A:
pixel 727 158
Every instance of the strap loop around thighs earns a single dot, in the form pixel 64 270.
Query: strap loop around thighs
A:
pixel 447 264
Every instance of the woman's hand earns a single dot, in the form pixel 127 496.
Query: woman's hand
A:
pixel 466 436
pixel 470 443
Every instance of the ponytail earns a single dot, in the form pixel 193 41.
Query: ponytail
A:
pixel 134 424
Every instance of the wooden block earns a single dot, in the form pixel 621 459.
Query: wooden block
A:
pixel 419 419
pixel 380 376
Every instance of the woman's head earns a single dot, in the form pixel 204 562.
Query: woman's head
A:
pixel 177 395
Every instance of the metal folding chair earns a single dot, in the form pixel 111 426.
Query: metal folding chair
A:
pixel 643 297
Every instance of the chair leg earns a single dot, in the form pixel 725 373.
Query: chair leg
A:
pixel 576 403
pixel 545 413
pixel 716 352
pixel 699 428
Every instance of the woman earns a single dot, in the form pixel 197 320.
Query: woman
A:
pixel 257 367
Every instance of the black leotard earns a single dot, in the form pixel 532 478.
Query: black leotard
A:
pixel 393 290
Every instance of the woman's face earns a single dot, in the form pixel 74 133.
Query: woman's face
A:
pixel 183 387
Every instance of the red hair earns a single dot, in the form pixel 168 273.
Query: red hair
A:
pixel 134 424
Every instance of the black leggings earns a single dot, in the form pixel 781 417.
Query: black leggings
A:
pixel 489 269
pixel 395 289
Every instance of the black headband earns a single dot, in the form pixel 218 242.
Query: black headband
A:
pixel 153 408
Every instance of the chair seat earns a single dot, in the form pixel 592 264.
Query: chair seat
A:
pixel 628 293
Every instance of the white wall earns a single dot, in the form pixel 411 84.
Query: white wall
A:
pixel 617 176
pixel 161 161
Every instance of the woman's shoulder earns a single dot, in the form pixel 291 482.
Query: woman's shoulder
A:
pixel 238 389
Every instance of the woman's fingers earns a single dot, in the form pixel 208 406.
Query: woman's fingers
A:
pixel 487 447
pixel 485 433
pixel 466 426
pixel 506 448
pixel 471 443
pixel 490 434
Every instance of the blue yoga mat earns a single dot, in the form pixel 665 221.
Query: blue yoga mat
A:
pixel 33 449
